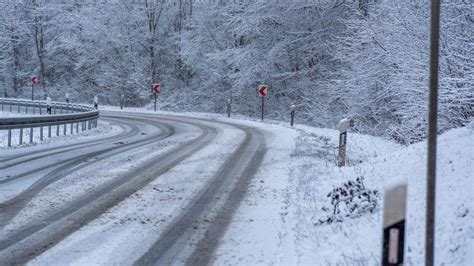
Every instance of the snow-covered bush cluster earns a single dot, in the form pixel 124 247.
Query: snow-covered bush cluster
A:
pixel 333 59
pixel 352 199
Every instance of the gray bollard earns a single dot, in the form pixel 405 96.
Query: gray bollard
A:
pixel 21 136
pixel 41 133
pixel 31 135
pixel 65 128
pixel 229 106
pixel 48 105
pixel 49 131
pixel 344 124
pixel 96 103
pixel 292 114
pixel 77 127
pixel 57 130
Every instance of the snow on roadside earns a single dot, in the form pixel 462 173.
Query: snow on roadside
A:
pixel 294 235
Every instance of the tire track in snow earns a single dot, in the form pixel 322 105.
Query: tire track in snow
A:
pixel 234 175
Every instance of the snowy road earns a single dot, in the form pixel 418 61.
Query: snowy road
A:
pixel 48 193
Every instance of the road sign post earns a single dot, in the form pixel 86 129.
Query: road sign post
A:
pixel 394 225
pixel 155 89
pixel 34 81
pixel 344 125
pixel 263 91
pixel 432 134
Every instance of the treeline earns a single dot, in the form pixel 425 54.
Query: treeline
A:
pixel 334 59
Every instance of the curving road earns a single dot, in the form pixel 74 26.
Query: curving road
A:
pixel 26 175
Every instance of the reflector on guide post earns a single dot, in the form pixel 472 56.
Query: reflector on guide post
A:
pixel 394 225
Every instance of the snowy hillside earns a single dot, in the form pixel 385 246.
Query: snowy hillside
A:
pixel 298 196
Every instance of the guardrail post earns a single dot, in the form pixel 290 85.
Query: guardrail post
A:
pixel 77 127
pixel 18 108
pixel 49 131
pixel 31 134
pixel 57 130
pixel 2 106
pixel 64 130
pixel 11 106
pixel 54 108
pixel 26 108
pixel 21 136
pixel 9 137
pixel 40 108
pixel 34 105
pixel 72 128
pixel 41 133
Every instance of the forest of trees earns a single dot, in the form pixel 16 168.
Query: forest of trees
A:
pixel 333 59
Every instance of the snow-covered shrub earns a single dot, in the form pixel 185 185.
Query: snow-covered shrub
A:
pixel 352 199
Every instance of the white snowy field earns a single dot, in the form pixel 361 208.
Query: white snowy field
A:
pixel 103 129
pixel 277 222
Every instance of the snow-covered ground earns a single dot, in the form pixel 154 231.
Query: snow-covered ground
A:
pixel 278 222
pixel 103 129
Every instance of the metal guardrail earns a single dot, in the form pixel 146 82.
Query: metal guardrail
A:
pixel 62 115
